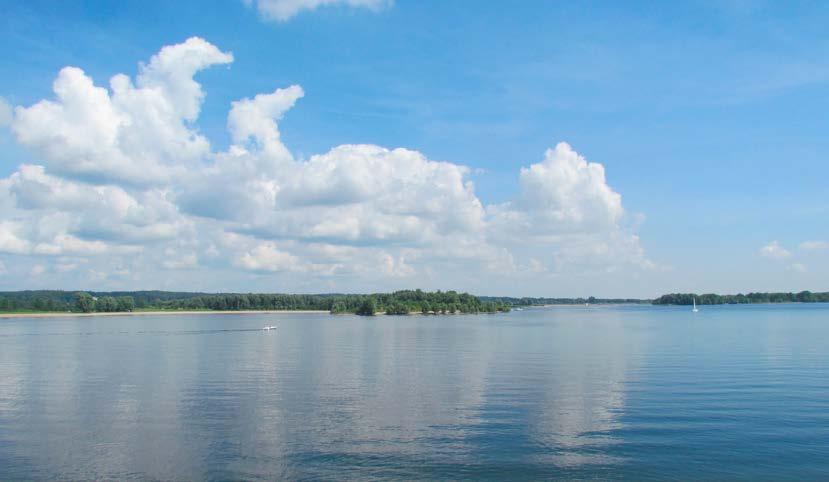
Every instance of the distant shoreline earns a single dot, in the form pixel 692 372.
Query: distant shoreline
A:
pixel 157 312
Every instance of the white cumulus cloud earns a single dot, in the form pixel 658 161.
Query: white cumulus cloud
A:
pixel 11 239
pixel 267 257
pixel 566 214
pixel 137 134
pixel 127 187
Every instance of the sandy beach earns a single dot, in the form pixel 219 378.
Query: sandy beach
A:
pixel 163 312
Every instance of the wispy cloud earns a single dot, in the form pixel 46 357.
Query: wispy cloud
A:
pixel 5 112
pixel 283 10
pixel 814 245
pixel 798 267
pixel 775 251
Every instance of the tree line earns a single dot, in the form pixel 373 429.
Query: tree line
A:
pixel 715 299
pixel 399 302
pixel 58 300
pixel 528 301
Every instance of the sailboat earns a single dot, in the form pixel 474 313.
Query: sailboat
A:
pixel 695 306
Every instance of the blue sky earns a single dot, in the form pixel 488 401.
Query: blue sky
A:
pixel 709 119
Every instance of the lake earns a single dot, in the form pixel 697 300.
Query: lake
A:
pixel 616 392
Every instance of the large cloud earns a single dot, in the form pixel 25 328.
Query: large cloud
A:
pixel 100 212
pixel 135 134
pixel 282 10
pixel 106 198
pixel 361 194
pixel 353 194
pixel 563 194
pixel 566 214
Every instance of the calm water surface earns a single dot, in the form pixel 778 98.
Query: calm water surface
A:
pixel 738 392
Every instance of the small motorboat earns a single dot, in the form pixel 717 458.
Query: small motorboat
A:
pixel 268 328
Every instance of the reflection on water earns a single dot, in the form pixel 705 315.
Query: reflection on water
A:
pixel 584 396
pixel 605 392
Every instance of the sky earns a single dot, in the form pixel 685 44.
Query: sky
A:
pixel 528 148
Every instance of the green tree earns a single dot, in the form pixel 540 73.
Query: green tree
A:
pixel 368 307
pixel 125 303
pixel 84 303
pixel 805 297
pixel 397 308
pixel 338 307
pixel 106 304
pixel 40 303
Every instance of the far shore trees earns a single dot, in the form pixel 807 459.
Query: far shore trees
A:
pixel 715 299
pixel 397 303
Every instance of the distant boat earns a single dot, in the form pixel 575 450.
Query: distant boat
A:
pixel 268 328
pixel 695 306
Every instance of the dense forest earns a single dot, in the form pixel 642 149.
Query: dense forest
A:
pixel 54 300
pixel 715 299
pixel 399 302
pixel 559 301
